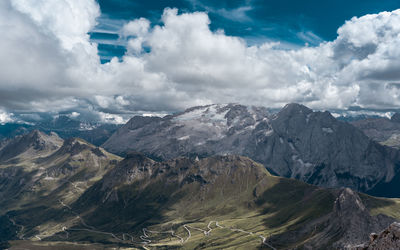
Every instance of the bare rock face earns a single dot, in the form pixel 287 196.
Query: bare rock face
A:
pixel 296 142
pixel 388 239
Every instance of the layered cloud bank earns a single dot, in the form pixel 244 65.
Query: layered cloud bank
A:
pixel 47 63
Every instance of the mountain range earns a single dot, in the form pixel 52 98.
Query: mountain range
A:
pixel 295 142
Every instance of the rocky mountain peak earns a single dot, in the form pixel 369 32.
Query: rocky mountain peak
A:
pixel 348 201
pixel 297 116
pixel 40 140
pixel 295 108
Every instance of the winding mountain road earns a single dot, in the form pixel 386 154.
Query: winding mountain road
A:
pixel 147 234
pixel 19 233
pixel 208 232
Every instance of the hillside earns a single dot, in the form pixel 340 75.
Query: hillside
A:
pixel 218 202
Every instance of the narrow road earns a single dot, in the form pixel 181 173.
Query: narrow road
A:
pixel 189 233
pixel 93 229
pixel 145 236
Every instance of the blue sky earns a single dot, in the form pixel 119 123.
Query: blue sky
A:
pixel 293 23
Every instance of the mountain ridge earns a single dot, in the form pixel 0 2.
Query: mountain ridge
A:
pixel 38 143
pixel 182 191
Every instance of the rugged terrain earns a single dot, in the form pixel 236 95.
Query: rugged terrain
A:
pixel 295 142
pixel 73 195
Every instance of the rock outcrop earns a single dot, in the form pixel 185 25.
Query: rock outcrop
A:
pixel 388 239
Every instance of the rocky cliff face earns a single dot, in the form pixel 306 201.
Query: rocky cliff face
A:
pixel 296 142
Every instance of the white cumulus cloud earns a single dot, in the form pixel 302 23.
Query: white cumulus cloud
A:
pixel 47 63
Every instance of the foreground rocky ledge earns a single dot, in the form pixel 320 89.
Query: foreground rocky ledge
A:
pixel 388 239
